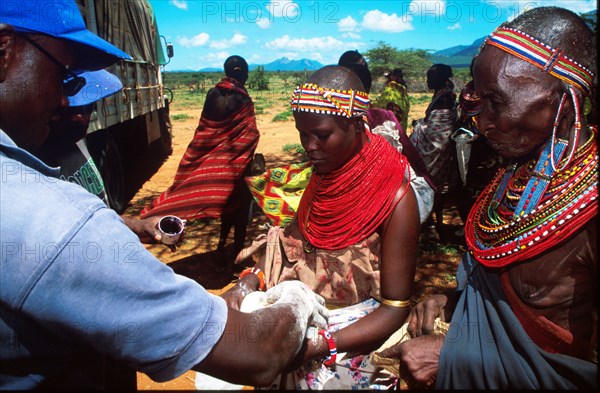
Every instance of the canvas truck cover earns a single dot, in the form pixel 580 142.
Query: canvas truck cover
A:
pixel 131 26
pixel 127 24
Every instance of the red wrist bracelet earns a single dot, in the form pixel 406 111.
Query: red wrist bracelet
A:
pixel 259 274
pixel 330 360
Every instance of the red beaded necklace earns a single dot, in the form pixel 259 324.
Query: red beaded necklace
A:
pixel 497 237
pixel 347 205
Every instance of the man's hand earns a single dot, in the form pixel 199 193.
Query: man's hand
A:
pixel 306 303
pixel 147 230
pixel 418 360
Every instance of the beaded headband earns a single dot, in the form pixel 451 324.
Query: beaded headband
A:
pixel 310 97
pixel 551 60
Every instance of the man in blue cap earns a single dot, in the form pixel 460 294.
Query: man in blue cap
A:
pixel 77 289
pixel 66 148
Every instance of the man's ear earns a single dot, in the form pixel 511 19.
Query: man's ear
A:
pixel 7 47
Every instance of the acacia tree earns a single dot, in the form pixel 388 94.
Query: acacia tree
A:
pixel 384 57
pixel 258 80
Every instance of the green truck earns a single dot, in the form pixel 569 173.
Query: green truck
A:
pixel 132 125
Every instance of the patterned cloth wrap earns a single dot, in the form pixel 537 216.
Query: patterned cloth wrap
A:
pixel 348 280
pixel 278 191
pixel 351 371
pixel 431 137
pixel 394 97
pixel 212 165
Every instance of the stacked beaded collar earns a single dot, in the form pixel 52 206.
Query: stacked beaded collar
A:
pixel 499 234
pixel 311 97
pixel 549 59
pixel 346 206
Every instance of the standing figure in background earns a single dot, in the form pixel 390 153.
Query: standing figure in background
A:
pixel 384 122
pixel 210 179
pixel 394 97
pixel 431 134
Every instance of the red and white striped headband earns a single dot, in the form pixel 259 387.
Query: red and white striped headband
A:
pixel 310 97
pixel 543 56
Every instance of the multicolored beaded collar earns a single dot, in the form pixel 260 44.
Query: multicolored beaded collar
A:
pixel 543 56
pixel 504 228
pixel 311 97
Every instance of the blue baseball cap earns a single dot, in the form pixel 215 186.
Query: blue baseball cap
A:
pixel 98 84
pixel 61 19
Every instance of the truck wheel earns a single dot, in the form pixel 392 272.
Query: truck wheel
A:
pixel 164 145
pixel 105 153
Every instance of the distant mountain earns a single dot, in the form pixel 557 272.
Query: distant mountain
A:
pixel 459 55
pixel 210 69
pixel 285 64
pixel 591 18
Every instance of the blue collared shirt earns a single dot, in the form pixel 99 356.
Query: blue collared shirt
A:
pixel 76 286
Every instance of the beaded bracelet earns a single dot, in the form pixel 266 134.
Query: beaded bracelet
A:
pixel 259 274
pixel 396 303
pixel 330 360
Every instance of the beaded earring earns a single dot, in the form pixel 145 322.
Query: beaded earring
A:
pixel 574 141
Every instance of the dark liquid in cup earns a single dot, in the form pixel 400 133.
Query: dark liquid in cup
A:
pixel 170 225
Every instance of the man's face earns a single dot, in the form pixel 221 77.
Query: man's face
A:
pixel 34 91
pixel 518 103
pixel 329 140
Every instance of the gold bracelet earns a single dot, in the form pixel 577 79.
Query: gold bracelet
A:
pixel 396 303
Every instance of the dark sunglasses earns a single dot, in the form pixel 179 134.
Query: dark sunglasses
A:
pixel 74 83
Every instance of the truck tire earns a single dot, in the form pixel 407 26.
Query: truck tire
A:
pixel 107 157
pixel 164 145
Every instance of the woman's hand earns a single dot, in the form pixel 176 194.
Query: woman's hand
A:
pixel 419 359
pixel 236 294
pixel 422 317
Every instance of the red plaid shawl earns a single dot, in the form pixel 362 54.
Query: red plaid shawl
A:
pixel 212 166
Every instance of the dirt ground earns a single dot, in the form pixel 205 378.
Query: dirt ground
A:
pixel 196 257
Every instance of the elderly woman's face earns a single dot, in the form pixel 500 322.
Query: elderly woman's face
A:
pixel 330 141
pixel 518 102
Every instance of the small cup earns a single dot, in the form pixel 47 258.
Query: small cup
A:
pixel 171 228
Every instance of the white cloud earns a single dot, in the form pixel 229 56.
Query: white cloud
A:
pixel 376 20
pixel 197 40
pixel 181 4
pixel 263 23
pixel 283 8
pixel 311 45
pixel 352 35
pixel 237 39
pixel 215 59
pixel 347 24
pixel 427 7
pixel 455 26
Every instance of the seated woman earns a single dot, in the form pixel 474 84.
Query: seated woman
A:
pixel 353 240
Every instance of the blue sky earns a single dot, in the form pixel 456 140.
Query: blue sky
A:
pixel 205 33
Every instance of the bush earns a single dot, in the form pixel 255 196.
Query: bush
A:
pixel 283 116
pixel 180 116
pixel 294 148
pixel 258 80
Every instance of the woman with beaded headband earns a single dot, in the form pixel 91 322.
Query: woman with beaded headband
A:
pixel 354 238
pixel 525 312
